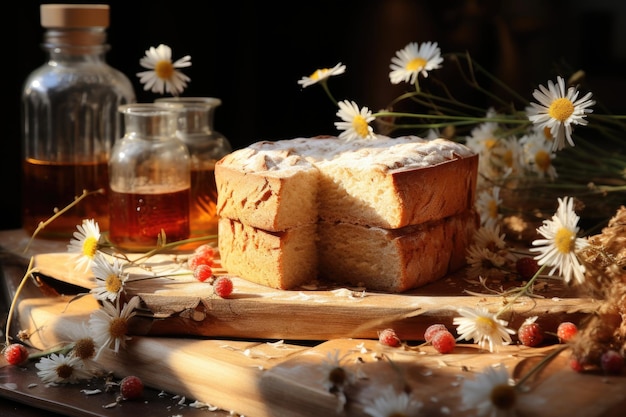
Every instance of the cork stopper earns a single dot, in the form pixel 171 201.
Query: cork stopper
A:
pixel 74 15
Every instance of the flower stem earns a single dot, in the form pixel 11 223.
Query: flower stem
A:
pixel 57 214
pixel 29 271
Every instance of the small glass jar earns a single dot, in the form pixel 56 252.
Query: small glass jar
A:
pixel 149 177
pixel 70 120
pixel 206 146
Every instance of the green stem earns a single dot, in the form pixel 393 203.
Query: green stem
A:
pixel 544 361
pixel 29 271
pixel 57 214
pixel 522 291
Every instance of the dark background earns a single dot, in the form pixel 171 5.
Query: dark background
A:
pixel 251 55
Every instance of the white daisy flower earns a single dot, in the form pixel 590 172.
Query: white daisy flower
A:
pixel 492 393
pixel 482 261
pixel 560 245
pixel 393 404
pixel 84 244
pixel 110 278
pixel 488 207
pixel 414 59
pixel 356 121
pixel 321 75
pixel 483 327
pixel 163 75
pixel 490 237
pixel 61 369
pixel 109 325
pixel 336 376
pixel 539 154
pixel 559 110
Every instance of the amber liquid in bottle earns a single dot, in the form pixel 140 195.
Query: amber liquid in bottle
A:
pixel 45 182
pixel 140 217
pixel 202 214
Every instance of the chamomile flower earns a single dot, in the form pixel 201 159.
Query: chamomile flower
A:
pixel 483 327
pixel 492 393
pixel 560 244
pixel 321 75
pixel 490 237
pixel 559 110
pixel 484 262
pixel 163 75
pixel 110 278
pixel 539 154
pixel 488 206
pixel 109 324
pixel 393 404
pixel 58 368
pixel 355 124
pixel 85 244
pixel 336 375
pixel 413 60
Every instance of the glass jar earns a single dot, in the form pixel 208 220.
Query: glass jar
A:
pixel 149 180
pixel 206 146
pixel 70 120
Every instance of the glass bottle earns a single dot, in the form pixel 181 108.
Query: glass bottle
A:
pixel 70 120
pixel 149 180
pixel 206 146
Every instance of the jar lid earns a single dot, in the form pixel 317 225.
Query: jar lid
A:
pixel 74 15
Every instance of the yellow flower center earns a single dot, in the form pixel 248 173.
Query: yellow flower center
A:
pixel 564 240
pixel 319 73
pixel 360 126
pixel 337 376
pixel 164 70
pixel 64 371
pixel 490 143
pixel 84 348
pixel 113 283
pixel 485 325
pixel 492 208
pixel 547 132
pixel 542 160
pixel 90 246
pixel 508 158
pixel 561 109
pixel 416 64
pixel 118 328
pixel 503 396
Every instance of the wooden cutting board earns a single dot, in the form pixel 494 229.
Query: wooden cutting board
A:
pixel 263 378
pixel 182 306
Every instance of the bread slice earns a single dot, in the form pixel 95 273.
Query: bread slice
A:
pixel 388 260
pixel 282 260
pixel 394 260
pixel 388 182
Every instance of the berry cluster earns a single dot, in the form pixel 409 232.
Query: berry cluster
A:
pixel 201 263
pixel 532 334
pixel 440 338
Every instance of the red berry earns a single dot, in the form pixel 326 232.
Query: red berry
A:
pixel 131 387
pixel 443 341
pixel 432 330
pixel 530 333
pixel 223 287
pixel 15 354
pixel 612 362
pixel 203 272
pixel 576 364
pixel 388 337
pixel 566 331
pixel 526 267
pixel 203 255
